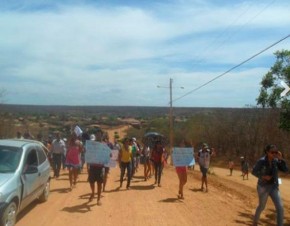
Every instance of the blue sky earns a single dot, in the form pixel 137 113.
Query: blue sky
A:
pixel 71 52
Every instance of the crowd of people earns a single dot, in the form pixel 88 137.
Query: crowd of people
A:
pixel 69 154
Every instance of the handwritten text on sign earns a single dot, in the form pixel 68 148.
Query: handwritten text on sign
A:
pixel 97 153
pixel 183 156
pixel 113 159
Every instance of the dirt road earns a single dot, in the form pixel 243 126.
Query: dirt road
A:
pixel 230 201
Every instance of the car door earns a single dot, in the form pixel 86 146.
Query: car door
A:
pixel 43 168
pixel 29 177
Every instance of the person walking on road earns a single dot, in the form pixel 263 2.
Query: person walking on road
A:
pixel 73 161
pixel 135 154
pixel 182 172
pixel 96 173
pixel 107 168
pixel 58 147
pixel 159 158
pixel 266 170
pixel 125 161
pixel 147 165
pixel 231 166
pixel 245 169
pixel 204 156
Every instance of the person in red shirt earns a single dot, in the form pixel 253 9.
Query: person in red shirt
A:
pixel 73 162
pixel 159 158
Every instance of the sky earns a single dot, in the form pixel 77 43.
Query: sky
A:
pixel 120 53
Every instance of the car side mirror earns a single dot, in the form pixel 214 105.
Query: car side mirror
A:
pixel 31 169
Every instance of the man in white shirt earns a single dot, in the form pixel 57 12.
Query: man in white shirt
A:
pixel 58 148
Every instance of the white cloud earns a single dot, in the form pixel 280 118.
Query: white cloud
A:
pixel 118 52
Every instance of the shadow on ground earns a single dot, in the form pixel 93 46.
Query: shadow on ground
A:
pixel 171 200
pixel 82 208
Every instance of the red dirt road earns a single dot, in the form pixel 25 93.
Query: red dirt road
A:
pixel 230 201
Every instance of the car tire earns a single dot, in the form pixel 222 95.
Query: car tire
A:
pixel 9 215
pixel 45 193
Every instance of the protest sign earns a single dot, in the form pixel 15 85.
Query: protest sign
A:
pixel 97 153
pixel 114 158
pixel 183 156
pixel 78 131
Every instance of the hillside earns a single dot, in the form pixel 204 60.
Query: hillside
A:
pixel 121 111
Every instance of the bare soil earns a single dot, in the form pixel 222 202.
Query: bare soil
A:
pixel 229 201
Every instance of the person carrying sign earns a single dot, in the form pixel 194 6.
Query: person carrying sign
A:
pixel 182 171
pixel 96 173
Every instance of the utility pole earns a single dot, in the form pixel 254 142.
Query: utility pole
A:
pixel 170 119
pixel 171 132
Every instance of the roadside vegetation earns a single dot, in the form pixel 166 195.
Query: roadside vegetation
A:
pixel 233 132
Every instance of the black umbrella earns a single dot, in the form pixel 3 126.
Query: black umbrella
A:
pixel 151 138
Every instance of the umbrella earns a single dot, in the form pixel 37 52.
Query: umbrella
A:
pixel 151 138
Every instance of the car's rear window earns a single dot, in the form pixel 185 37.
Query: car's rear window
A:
pixel 9 159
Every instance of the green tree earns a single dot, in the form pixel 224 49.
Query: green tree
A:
pixel 271 88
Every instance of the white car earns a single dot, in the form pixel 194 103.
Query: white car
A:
pixel 24 177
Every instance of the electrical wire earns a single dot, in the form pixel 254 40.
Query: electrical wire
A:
pixel 244 25
pixel 226 72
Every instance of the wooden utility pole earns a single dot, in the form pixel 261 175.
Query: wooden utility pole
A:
pixel 171 138
pixel 171 132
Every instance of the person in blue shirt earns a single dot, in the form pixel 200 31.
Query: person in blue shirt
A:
pixel 266 170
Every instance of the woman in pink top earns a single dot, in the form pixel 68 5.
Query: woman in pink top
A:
pixel 73 161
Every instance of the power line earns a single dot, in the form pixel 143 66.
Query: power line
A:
pixel 229 36
pixel 245 61
pixel 244 25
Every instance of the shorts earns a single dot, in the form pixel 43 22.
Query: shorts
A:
pixel 144 159
pixel 96 174
pixel 107 169
pixel 180 169
pixel 72 166
pixel 203 171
